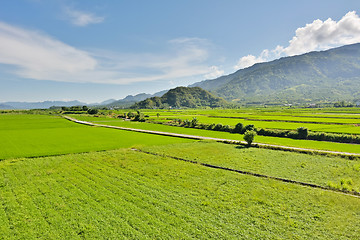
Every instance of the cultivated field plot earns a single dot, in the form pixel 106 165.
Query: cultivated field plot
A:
pixel 331 146
pixel 323 120
pixel 23 135
pixel 301 167
pixel 129 194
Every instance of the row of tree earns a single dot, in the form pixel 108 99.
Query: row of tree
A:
pixel 299 133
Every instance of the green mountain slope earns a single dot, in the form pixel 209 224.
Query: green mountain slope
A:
pixel 190 97
pixel 330 75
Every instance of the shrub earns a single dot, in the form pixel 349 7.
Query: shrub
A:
pixel 187 123
pixel 218 127
pixel 194 122
pixel 92 111
pixel 130 115
pixel 302 132
pixel 226 128
pixel 238 128
pixel 249 127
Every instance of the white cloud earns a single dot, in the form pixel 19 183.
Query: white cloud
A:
pixel 82 19
pixel 318 35
pixel 215 72
pixel 38 56
pixel 249 60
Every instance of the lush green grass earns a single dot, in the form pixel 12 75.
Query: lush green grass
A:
pixel 331 146
pixel 125 194
pixel 307 168
pixel 302 117
pixel 279 124
pixel 36 135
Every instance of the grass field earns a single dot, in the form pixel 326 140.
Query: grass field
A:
pixel 126 194
pixel 331 146
pixel 296 166
pixel 24 135
pixel 280 124
pixel 323 120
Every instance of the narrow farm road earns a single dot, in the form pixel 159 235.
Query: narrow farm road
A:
pixel 229 141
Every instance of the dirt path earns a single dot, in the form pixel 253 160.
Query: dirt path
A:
pixel 261 145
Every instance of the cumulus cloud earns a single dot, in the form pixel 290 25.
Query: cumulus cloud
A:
pixel 250 60
pixel 321 35
pixel 38 56
pixel 82 19
pixel 318 35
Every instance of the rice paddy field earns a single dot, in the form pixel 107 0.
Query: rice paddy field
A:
pixel 319 145
pixel 334 120
pixel 24 135
pixel 63 180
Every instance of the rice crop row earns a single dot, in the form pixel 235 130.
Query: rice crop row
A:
pixel 130 195
pixel 320 170
pixel 36 135
pixel 331 146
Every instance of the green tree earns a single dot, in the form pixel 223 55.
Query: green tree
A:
pixel 249 136
pixel 302 132
pixel 92 111
pixel 238 128
pixel 130 115
pixel 194 122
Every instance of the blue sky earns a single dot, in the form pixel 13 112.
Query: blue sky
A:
pixel 96 50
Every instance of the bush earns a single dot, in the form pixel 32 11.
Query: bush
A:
pixel 187 123
pixel 130 115
pixel 249 127
pixel 92 111
pixel 226 128
pixel 302 132
pixel 238 128
pixel 194 122
pixel 249 136
pixel 218 127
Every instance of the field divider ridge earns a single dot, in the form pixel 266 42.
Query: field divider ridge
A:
pixel 312 185
pixel 227 141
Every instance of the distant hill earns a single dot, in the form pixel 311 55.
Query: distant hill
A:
pixel 131 100
pixel 128 100
pixel 106 102
pixel 4 106
pixel 39 105
pixel 189 97
pixel 331 75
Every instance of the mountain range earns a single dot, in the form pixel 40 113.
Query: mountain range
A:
pixel 39 105
pixel 323 76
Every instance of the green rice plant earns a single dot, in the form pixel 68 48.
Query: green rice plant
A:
pixel 41 135
pixel 127 194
